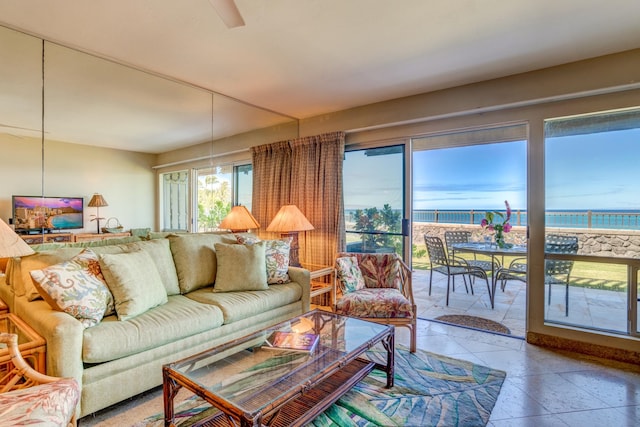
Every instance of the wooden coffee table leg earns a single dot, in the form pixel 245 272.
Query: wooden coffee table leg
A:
pixel 169 390
pixel 389 345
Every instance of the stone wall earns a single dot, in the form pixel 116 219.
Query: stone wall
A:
pixel 600 242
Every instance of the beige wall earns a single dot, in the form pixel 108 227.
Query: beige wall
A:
pixel 124 178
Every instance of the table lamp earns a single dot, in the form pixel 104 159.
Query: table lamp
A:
pixel 97 201
pixel 11 245
pixel 239 219
pixel 289 221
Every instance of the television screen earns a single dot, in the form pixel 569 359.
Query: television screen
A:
pixel 37 213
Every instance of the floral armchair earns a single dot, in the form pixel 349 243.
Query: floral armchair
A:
pixel 376 287
pixel 28 397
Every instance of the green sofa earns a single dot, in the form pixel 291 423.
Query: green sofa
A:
pixel 117 359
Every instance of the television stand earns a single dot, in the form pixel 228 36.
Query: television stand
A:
pixel 35 239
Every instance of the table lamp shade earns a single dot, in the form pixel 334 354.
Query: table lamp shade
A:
pixel 239 219
pixel 288 219
pixel 11 245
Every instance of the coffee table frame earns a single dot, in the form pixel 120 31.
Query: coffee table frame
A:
pixel 297 405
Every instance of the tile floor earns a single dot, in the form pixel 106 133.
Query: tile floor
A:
pixel 543 387
pixel 587 307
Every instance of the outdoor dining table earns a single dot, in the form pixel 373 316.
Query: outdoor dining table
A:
pixel 492 250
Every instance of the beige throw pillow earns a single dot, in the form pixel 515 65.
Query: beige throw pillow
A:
pixel 240 267
pixel 134 282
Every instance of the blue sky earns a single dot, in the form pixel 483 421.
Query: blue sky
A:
pixel 594 171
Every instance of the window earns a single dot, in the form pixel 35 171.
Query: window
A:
pixel 175 200
pixel 218 189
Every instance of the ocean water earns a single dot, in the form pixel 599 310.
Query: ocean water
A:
pixel 71 220
pixel 607 219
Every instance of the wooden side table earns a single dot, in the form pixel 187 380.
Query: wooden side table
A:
pixel 325 287
pixel 4 308
pixel 31 345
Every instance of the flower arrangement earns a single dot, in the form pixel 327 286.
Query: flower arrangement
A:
pixel 498 222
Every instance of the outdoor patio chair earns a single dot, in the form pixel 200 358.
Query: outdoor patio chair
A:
pixel 28 397
pixel 453 237
pixel 556 271
pixel 451 267
pixel 376 287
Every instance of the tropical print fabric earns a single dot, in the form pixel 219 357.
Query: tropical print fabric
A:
pixel 76 287
pixel 349 275
pixel 379 270
pixel 51 404
pixel 375 303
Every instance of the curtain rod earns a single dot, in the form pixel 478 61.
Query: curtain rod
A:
pixel 195 159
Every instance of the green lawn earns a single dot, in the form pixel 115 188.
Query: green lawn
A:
pixel 584 274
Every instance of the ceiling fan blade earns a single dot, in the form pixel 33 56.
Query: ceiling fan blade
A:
pixel 228 12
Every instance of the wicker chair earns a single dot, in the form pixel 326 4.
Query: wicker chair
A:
pixel 384 294
pixel 439 262
pixel 556 271
pixel 28 397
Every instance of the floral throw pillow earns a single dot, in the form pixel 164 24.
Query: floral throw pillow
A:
pixel 349 275
pixel 277 257
pixel 277 260
pixel 76 287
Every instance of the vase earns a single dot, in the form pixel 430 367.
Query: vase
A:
pixel 499 238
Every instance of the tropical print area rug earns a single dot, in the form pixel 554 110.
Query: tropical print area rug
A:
pixel 429 390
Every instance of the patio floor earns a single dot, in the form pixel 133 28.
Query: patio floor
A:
pixel 588 307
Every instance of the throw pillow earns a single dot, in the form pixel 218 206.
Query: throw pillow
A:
pixel 240 267
pixel 134 282
pixel 348 274
pixel 276 257
pixel 76 287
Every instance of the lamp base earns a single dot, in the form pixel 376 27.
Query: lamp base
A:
pixel 294 261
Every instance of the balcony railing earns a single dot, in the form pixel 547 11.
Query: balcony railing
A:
pixel 570 219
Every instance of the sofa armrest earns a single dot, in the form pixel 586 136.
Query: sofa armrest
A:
pixel 302 277
pixel 62 332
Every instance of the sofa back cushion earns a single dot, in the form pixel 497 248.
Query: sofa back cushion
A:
pixel 161 255
pixel 194 256
pixel 20 278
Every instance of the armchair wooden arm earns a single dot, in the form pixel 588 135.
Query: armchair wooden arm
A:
pixel 23 391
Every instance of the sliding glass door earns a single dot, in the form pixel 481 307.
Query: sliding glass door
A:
pixel 591 188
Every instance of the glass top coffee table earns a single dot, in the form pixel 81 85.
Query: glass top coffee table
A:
pixel 255 385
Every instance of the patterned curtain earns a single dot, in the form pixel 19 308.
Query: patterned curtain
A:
pixel 306 172
pixel 271 180
pixel 316 189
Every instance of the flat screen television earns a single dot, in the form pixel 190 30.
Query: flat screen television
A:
pixel 34 214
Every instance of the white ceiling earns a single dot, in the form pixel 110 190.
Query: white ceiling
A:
pixel 309 57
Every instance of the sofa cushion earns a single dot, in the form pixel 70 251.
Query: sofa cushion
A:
pixel 241 305
pixel 240 268
pixel 21 279
pixel 375 303
pixel 161 255
pixel 195 258
pixel 180 317
pixel 76 287
pixel 134 282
